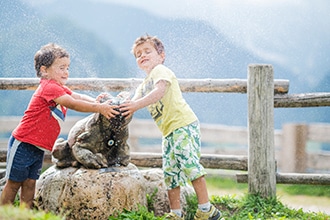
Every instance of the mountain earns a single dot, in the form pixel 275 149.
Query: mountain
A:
pixel 24 31
pixel 194 49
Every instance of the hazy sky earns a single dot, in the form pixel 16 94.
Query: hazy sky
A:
pixel 276 30
pixel 292 33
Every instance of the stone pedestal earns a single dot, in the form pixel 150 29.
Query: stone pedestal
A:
pixel 90 193
pixel 98 193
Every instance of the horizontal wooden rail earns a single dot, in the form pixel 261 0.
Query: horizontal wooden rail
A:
pixel 294 178
pixel 128 84
pixel 302 100
pixel 281 88
pixel 208 161
pixel 155 160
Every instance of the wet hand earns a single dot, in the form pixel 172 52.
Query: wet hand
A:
pixel 109 111
pixel 127 109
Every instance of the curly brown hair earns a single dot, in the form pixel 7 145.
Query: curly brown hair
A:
pixel 46 56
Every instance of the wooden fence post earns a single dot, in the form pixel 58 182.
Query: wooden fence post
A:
pixel 261 161
pixel 293 152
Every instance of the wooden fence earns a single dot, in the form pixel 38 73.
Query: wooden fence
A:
pixel 264 93
pixel 220 140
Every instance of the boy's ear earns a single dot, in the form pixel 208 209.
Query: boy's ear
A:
pixel 163 55
pixel 43 71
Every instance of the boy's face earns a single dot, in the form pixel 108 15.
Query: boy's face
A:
pixel 147 56
pixel 58 71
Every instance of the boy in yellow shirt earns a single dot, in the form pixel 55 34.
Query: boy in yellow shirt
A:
pixel 181 144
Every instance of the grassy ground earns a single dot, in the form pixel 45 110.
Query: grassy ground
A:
pixel 231 198
pixel 305 197
pixel 21 213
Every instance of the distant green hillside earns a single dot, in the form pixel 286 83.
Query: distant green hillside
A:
pixel 24 31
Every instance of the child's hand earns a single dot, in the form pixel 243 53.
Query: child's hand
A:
pixel 109 111
pixel 128 108
pixel 101 96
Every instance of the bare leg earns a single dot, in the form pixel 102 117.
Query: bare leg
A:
pixel 27 192
pixel 201 190
pixel 9 192
pixel 174 197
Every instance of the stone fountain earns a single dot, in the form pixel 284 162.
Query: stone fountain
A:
pixel 92 176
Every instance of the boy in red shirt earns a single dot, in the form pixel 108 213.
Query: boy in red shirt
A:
pixel 40 125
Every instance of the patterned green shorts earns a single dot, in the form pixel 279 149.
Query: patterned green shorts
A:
pixel 181 154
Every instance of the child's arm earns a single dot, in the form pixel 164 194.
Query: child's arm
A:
pixel 85 106
pixel 155 95
pixel 136 96
pixel 128 108
pixel 83 97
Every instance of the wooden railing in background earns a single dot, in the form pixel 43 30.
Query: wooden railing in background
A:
pixel 281 86
pixel 290 144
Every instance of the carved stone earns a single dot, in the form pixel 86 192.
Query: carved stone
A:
pixel 95 142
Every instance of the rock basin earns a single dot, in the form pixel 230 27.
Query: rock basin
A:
pixel 82 193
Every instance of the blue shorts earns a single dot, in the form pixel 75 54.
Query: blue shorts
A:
pixel 24 161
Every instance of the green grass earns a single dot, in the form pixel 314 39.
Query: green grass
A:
pixel 250 207
pixel 255 207
pixel 224 183
pixel 291 189
pixel 308 190
pixel 21 213
pixel 141 214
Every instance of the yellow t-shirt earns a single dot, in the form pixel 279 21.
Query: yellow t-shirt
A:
pixel 172 111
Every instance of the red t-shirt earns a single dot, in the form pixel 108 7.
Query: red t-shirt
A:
pixel 40 123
